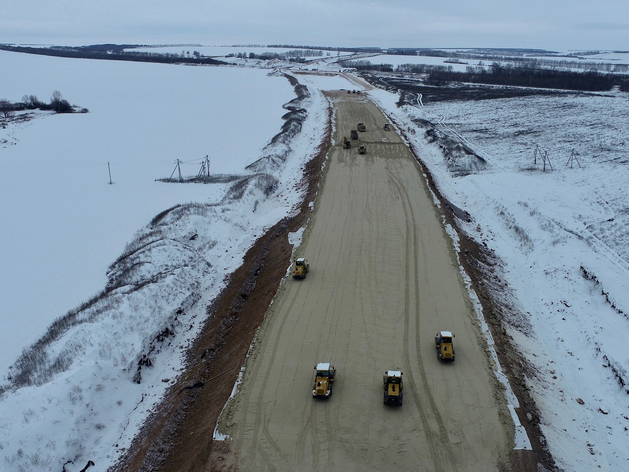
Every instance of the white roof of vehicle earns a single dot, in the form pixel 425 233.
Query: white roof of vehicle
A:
pixel 301 259
pixel 394 373
pixel 323 366
pixel 447 334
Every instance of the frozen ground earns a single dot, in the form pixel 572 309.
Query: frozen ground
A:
pixel 63 210
pixel 562 237
pixel 140 281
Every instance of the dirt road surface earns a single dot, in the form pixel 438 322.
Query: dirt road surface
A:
pixel 383 281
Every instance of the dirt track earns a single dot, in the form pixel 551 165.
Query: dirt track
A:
pixel 383 282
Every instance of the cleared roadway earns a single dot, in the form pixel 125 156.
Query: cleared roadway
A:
pixel 383 281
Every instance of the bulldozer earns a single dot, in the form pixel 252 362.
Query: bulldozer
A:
pixel 387 127
pixel 361 127
pixel 362 150
pixel 301 268
pixel 393 387
pixel 324 379
pixel 444 346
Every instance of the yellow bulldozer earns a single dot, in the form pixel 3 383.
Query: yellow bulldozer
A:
pixel 393 387
pixel 444 346
pixel 301 268
pixel 324 379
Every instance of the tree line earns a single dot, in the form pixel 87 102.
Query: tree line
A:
pixel 295 55
pixel 30 102
pixel 365 65
pixel 509 75
pixel 114 54
pixel 506 75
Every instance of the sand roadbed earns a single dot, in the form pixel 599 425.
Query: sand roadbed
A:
pixel 383 281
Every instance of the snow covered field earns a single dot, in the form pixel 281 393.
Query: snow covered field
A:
pixel 64 212
pixel 562 236
pixel 70 235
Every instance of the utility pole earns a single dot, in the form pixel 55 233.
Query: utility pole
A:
pixel 205 168
pixel 544 156
pixel 572 158
pixel 177 168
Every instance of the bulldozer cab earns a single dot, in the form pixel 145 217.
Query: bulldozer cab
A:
pixel 324 379
pixel 444 345
pixel 301 268
pixel 393 387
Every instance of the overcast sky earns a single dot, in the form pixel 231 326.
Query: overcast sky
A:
pixel 545 24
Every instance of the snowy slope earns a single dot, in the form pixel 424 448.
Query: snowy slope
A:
pixel 562 236
pixel 82 392
pixel 67 224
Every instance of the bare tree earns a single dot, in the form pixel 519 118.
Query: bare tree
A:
pixel 7 110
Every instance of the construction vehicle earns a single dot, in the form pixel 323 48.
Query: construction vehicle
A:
pixel 444 346
pixel 347 143
pixel 361 127
pixel 324 379
pixel 362 150
pixel 301 268
pixel 393 387
pixel 387 127
pixel 354 134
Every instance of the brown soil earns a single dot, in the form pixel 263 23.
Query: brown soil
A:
pixel 178 435
pixel 481 266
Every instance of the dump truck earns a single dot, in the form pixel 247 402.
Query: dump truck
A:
pixel 354 134
pixel 361 127
pixel 347 143
pixel 324 379
pixel 393 387
pixel 444 346
pixel 301 268
pixel 362 150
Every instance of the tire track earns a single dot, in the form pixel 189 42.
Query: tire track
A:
pixel 410 252
pixel 379 262
pixel 259 417
pixel 413 274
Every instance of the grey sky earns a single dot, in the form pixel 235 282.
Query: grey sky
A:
pixel 550 24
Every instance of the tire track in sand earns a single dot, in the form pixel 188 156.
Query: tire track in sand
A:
pixel 413 274
pixel 260 424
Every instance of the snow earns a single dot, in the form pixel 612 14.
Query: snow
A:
pixel 74 235
pixel 56 167
pixel 397 60
pixel 562 238
pixel 560 235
